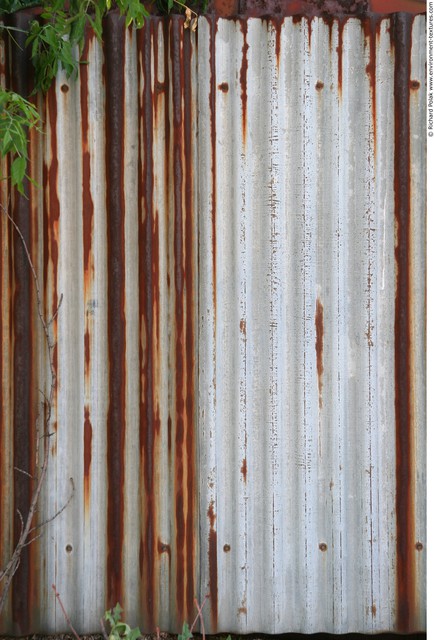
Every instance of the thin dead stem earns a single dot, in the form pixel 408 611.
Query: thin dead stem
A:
pixel 26 524
pixel 104 632
pixel 65 615
pixel 199 615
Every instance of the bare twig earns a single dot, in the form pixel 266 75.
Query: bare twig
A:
pixel 26 473
pixel 199 615
pixel 53 517
pixel 104 632
pixel 67 618
pixel 26 525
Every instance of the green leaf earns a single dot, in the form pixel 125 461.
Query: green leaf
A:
pixel 6 142
pixel 186 634
pixel 117 612
pixel 18 171
pixel 134 634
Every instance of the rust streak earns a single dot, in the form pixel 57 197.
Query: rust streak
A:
pixel 213 567
pixel 190 302
pixel 406 588
pixel 244 470
pixel 184 317
pixel 341 25
pixel 212 106
pixel 371 28
pixel 243 78
pixel 23 357
pixel 319 346
pixel 87 457
pixel 277 24
pixel 86 356
pixel 149 312
pixel 114 54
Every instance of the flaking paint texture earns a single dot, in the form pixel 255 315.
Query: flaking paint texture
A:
pixel 235 218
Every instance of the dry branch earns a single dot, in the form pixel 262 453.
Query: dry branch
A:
pixel 27 526
pixel 67 618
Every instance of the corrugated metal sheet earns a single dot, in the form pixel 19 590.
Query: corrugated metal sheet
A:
pixel 236 220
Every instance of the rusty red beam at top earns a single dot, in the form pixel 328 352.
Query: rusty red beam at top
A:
pixel 310 8
pixel 394 6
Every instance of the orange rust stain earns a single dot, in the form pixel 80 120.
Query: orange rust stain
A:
pixel 211 515
pixel 87 456
pixel 86 353
pixel 341 25
pixel 319 346
pixel 319 85
pixel 224 87
pixel 243 326
pixel 213 567
pixel 374 610
pixel 243 78
pixel 51 200
pixel 414 85
pixel 156 279
pixel 242 611
pixel 277 23
pixel 163 547
pixel 244 470
pixel 401 27
pixel 372 28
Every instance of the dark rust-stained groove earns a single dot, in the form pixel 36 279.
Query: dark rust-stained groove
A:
pixel 213 566
pixel 148 295
pixel 88 267
pixel 114 56
pixel 319 346
pixel 184 318
pixel 23 412
pixel 243 78
pixel 190 303
pixel 212 110
pixel 87 457
pixel 341 26
pixel 401 25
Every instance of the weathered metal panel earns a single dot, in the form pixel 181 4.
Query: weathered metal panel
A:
pixel 312 376
pixel 236 220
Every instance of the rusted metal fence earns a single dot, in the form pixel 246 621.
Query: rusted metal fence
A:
pixel 236 221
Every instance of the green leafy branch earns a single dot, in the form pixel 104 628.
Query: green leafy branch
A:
pixel 56 41
pixel 54 36
pixel 17 116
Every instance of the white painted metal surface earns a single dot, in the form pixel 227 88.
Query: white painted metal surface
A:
pixel 297 313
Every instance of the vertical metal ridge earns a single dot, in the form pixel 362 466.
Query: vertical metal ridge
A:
pixel 149 296
pixel 24 410
pixel 402 26
pixel 114 59
pixel 418 261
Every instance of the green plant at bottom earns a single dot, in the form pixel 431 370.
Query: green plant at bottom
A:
pixel 120 630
